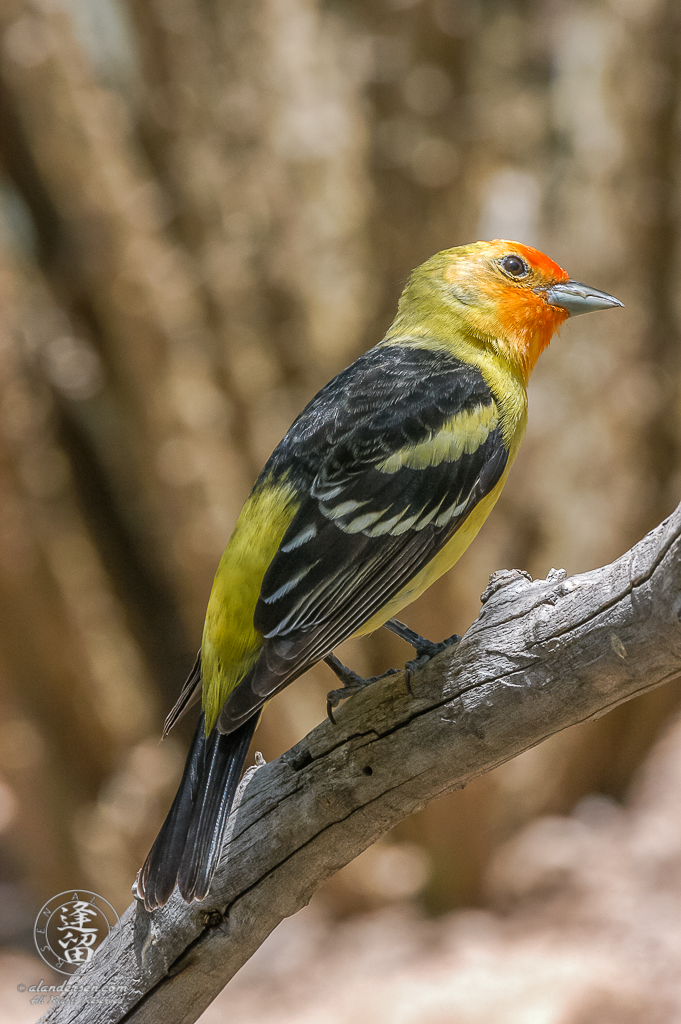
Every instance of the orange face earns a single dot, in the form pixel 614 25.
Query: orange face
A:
pixel 509 282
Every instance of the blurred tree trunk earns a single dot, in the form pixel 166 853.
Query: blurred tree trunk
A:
pixel 189 249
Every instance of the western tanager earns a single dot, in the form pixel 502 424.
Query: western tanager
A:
pixel 377 489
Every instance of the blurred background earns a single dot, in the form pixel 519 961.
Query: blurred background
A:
pixel 207 209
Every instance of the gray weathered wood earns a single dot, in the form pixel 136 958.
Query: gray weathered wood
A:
pixel 542 655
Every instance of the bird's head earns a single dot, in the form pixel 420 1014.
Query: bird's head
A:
pixel 502 295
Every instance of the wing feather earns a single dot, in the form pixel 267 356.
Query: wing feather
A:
pixel 386 495
pixel 311 623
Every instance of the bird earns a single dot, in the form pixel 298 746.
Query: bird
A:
pixel 376 490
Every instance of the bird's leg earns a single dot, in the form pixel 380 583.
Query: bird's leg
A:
pixel 352 683
pixel 425 649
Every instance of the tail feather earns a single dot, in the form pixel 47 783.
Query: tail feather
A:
pixel 191 693
pixel 187 849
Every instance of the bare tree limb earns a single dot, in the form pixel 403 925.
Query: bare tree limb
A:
pixel 542 655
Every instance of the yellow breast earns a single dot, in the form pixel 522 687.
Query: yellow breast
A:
pixel 440 564
pixel 515 424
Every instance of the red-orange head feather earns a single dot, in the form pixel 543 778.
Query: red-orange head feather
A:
pixel 472 295
pixel 513 306
pixel 497 299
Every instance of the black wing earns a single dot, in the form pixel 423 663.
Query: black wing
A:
pixel 403 461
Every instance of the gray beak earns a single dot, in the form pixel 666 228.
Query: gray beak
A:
pixel 580 298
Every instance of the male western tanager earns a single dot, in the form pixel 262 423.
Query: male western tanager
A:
pixel 377 489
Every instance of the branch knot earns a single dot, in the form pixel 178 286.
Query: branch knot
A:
pixel 504 578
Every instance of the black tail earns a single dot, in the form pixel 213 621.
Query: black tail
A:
pixel 187 849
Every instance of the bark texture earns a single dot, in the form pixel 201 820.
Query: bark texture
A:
pixel 541 656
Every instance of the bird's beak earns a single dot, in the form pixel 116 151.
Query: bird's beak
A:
pixel 579 298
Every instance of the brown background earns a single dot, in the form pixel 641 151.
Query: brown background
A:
pixel 206 210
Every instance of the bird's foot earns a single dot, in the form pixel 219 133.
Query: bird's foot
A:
pixel 425 649
pixel 352 683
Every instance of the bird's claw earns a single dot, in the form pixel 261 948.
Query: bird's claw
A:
pixel 352 684
pixel 424 648
pixel 424 652
pixel 416 663
pixel 428 649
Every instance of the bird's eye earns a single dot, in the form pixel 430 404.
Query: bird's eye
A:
pixel 514 266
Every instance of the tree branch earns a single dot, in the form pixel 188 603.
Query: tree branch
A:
pixel 542 655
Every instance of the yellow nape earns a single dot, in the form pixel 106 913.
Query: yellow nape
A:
pixel 231 643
